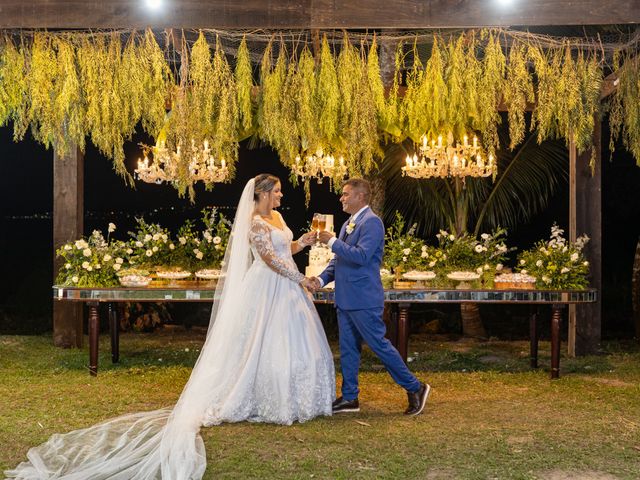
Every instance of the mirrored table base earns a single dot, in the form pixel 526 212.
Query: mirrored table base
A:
pixel 397 303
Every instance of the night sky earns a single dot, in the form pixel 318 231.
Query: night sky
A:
pixel 26 179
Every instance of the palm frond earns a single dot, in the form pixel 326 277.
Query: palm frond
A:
pixel 529 177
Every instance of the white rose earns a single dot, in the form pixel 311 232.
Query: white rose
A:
pixel 432 264
pixel 165 238
pixel 539 263
pixel 564 249
pixel 499 267
pixel 524 272
pixel 156 236
pixel 574 256
pixel 85 265
pixel 218 247
pixel 424 254
pixel 86 252
pixel 119 260
pixel 479 270
pixel 116 266
pixel 196 251
pixel 155 249
pixel 147 237
pixel 98 267
pixel 406 251
pixel 564 270
pixel 478 248
pixel 172 246
pixel 217 240
pixel 404 259
pixel 112 228
pixel 182 240
pixel 79 244
pixel 68 247
pixel 484 236
pixel 199 255
pixel 452 237
pixel 106 258
pixel 585 263
pixel 486 266
pixel 207 235
pixel 89 268
pixel 67 266
pixel 149 253
pixel 129 251
pixel 522 262
pixel 74 279
pixel 546 279
pixel 139 244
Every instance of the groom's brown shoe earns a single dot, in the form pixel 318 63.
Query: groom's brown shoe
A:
pixel 340 405
pixel 417 400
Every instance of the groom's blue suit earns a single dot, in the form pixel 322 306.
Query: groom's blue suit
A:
pixel 360 302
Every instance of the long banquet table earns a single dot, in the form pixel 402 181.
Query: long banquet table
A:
pixel 401 299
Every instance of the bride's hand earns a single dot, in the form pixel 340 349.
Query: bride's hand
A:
pixel 307 239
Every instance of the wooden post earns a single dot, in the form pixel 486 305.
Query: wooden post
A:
pixel 68 211
pixel 571 340
pixel 589 221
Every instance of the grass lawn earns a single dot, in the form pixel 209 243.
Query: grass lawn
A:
pixel 488 416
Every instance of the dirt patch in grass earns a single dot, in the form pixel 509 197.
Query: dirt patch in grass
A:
pixel 611 382
pixel 573 475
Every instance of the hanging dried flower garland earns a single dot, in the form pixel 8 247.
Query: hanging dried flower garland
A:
pixel 72 86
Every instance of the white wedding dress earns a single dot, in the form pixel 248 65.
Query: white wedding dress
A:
pixel 266 359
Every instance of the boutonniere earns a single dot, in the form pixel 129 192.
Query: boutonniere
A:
pixel 350 228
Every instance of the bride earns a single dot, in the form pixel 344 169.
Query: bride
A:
pixel 265 359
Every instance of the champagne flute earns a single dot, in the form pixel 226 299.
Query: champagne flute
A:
pixel 315 224
pixel 322 223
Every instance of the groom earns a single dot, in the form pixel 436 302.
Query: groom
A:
pixel 360 299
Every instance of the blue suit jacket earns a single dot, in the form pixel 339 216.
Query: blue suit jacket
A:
pixel 356 266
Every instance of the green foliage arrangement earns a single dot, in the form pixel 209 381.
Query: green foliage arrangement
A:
pixel 89 262
pixel 557 264
pixel 403 250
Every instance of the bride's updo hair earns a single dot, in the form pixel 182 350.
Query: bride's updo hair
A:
pixel 264 183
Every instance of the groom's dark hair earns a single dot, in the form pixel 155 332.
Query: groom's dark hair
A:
pixel 361 185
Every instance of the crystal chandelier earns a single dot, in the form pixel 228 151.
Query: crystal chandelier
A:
pixel 439 160
pixel 319 165
pixel 166 164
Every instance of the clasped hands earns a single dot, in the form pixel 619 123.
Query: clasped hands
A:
pixel 311 283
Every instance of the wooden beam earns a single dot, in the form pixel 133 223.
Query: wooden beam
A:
pixel 589 221
pixel 68 212
pixel 309 14
pixel 571 340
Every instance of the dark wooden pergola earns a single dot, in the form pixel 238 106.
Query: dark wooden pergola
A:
pixel 585 187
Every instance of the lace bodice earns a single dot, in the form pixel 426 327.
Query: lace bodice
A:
pixel 272 246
